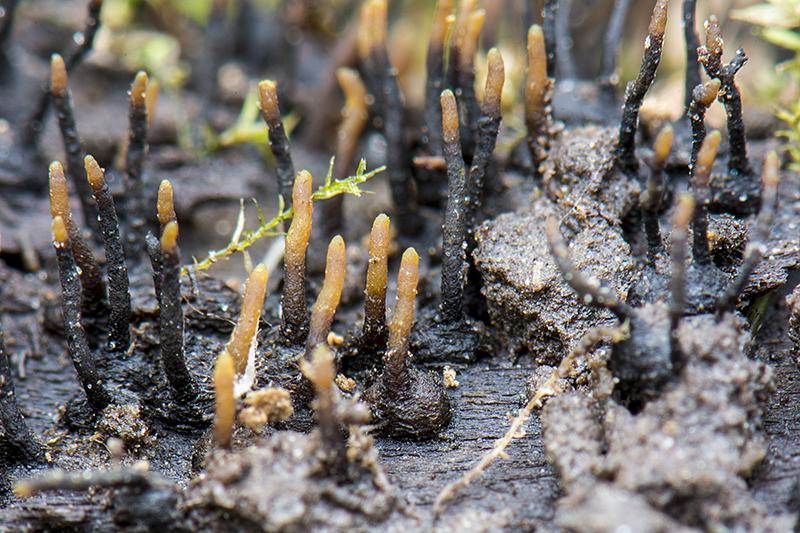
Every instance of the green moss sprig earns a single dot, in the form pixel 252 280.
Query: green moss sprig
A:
pixel 242 239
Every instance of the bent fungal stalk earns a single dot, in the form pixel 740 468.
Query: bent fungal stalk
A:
pixel 294 312
pixel 636 90
pixel 73 147
pixel 242 344
pixel 702 97
pixel 119 296
pixel 135 207
pixel 278 141
pixel 710 56
pixel 537 85
pixel 173 358
pixel 375 333
pixel 651 197
pixel 328 300
pixel 757 244
pixel 700 181
pixel 79 352
pixel 91 277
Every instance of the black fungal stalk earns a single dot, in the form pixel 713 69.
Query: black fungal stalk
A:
pixel 700 181
pixel 702 97
pixel 82 358
pixel 119 295
pixel 692 44
pixel 683 215
pixel 278 141
pixel 7 20
pixel 82 45
pixel 73 147
pixel 434 81
pixel 651 197
pixel 172 352
pixel 153 245
pixel 636 90
pixel 455 218
pixel 135 205
pixel 565 64
pixel 757 245
pixel 15 430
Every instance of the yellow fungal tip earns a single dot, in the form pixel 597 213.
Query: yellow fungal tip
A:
pixel 770 175
pixel 269 101
pixel 59 197
pixel 138 89
pixel 93 172
pixel 683 211
pixel 165 206
pixel 169 238
pixel 60 235
pixel 449 117
pixel 663 143
pixel 58 75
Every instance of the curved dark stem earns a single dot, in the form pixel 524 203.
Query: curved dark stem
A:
pixel 82 358
pixel 83 44
pixel 565 66
pixel 549 12
pixel 692 44
pixel 16 431
pixel 732 100
pixel 757 245
pixel 635 92
pixel 590 291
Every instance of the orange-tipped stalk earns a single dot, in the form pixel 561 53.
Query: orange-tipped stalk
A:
pixel 225 403
pixel 397 358
pixel 278 141
pixel 247 326
pixel 165 206
pixel 294 323
pixel 135 207
pixel 700 181
pixel 119 295
pixel 376 333
pixel 328 299
pixel 537 84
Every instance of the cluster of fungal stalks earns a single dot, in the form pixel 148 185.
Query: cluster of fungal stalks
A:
pixel 295 364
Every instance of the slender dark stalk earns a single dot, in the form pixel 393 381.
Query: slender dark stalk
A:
pixel 82 358
pixel 537 85
pixel 73 147
pixel 328 300
pixel 702 97
pixel 590 290
pixel 611 40
pixel 683 214
pixel 278 141
pixel 455 218
pixel 153 245
pixel 396 362
pixel 90 274
pixel 692 44
pixel 488 129
pixel 135 205
pixel 82 45
pixel 467 48
pixel 731 98
pixel 434 66
pixel 636 90
pixel 119 294
pixel 376 332
pixel 7 20
pixel 549 28
pixel 757 245
pixel 15 429
pixel 294 316
pixel 458 34
pixel 651 198
pixel 700 181
pixel 173 358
